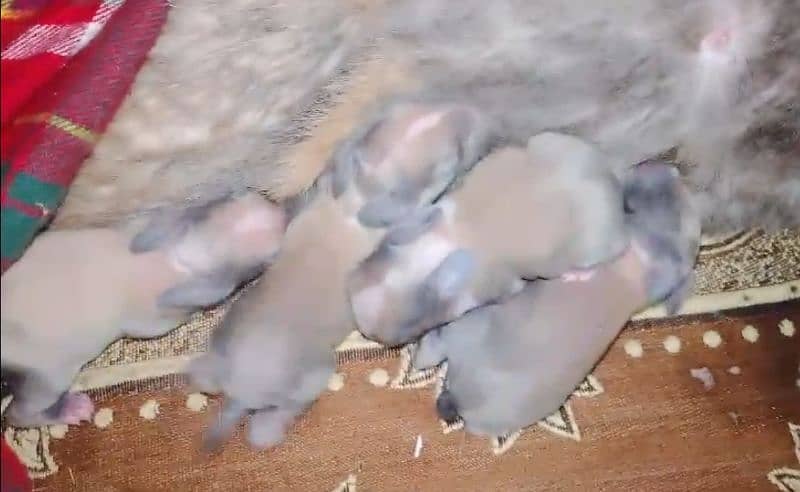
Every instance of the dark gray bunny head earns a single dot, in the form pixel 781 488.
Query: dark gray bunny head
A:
pixel 220 244
pixel 411 283
pixel 408 157
pixel 664 227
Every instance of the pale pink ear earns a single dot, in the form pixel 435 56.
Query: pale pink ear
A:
pixel 261 217
pixel 252 222
pixel 397 134
pixel 191 255
pixel 422 124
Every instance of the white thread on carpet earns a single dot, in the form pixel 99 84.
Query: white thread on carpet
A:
pixel 418 446
pixel 735 370
pixel 348 485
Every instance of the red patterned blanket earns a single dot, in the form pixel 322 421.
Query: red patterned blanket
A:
pixel 66 67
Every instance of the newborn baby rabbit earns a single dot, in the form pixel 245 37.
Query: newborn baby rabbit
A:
pixel 76 291
pixel 512 364
pixel 274 352
pixel 521 213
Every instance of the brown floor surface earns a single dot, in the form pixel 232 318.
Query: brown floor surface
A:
pixel 653 428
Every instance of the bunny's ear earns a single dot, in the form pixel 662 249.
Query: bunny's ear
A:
pixel 383 211
pixel 409 152
pixel 199 292
pixel 170 225
pixel 417 224
pixel 164 228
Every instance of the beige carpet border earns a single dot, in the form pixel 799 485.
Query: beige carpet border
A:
pixel 101 377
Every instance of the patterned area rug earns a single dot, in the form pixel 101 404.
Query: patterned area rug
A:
pixel 701 402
